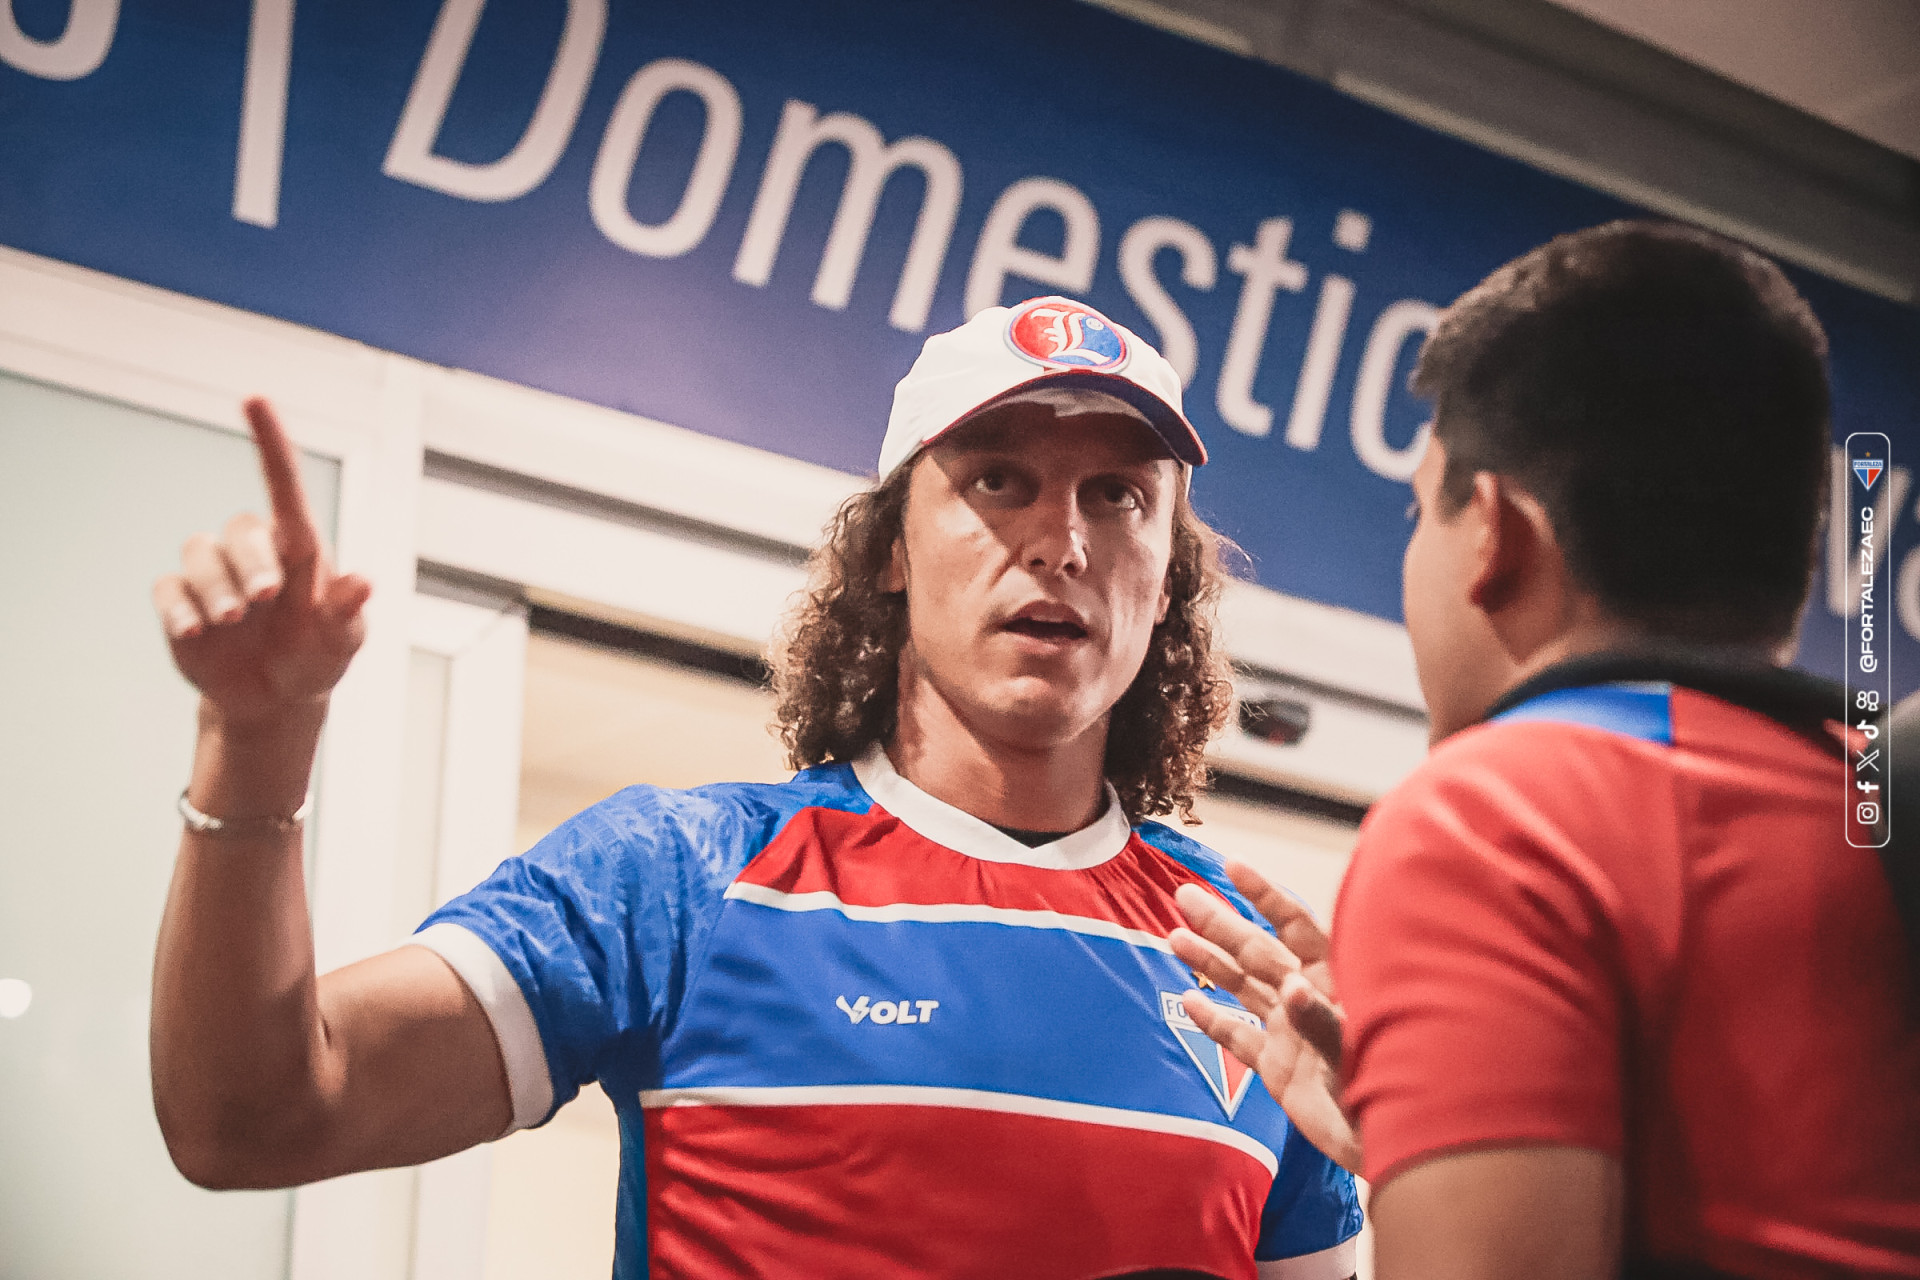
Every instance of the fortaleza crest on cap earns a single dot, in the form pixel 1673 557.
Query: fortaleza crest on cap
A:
pixel 1868 469
pixel 1227 1077
pixel 1059 333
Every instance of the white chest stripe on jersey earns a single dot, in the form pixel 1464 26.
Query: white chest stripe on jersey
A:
pixel 946 913
pixel 880 1095
pixel 1337 1263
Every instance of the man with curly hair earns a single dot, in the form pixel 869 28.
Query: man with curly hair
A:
pixel 843 1019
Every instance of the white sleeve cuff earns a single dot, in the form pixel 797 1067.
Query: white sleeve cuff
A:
pixel 1337 1263
pixel 514 1029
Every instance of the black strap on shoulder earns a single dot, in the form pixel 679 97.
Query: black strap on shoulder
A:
pixel 1802 702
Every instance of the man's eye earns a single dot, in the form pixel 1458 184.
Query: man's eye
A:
pixel 1121 496
pixel 991 481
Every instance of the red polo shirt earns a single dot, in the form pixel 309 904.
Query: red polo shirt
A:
pixel 1625 917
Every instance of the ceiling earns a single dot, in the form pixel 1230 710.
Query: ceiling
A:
pixel 1853 63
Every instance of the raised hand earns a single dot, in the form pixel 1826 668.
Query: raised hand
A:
pixel 258 620
pixel 266 1073
pixel 1284 982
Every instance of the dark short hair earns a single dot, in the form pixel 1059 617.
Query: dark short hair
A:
pixel 1663 393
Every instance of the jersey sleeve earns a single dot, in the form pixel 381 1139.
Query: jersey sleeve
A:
pixel 1476 950
pixel 578 949
pixel 1311 1218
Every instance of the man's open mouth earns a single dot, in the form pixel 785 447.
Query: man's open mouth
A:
pixel 1047 630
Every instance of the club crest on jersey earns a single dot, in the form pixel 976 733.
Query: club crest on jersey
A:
pixel 1226 1075
pixel 1059 333
pixel 1868 469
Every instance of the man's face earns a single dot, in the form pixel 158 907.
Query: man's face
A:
pixel 1034 553
pixel 1456 652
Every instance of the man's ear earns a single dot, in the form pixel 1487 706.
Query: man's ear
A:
pixel 897 566
pixel 1512 540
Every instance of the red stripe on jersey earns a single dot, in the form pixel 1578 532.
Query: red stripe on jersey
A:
pixel 892 1190
pixel 878 860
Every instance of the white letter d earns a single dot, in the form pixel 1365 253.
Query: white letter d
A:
pixel 411 157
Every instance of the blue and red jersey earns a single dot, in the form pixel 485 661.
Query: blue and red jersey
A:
pixel 851 1030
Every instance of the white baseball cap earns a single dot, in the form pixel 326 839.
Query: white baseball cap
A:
pixel 1046 342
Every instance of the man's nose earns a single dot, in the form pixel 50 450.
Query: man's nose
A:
pixel 1057 536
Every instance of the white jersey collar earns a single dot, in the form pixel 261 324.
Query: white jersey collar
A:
pixel 960 831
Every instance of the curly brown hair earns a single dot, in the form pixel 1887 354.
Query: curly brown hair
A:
pixel 836 668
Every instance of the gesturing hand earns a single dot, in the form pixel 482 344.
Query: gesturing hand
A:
pixel 1287 984
pixel 257 619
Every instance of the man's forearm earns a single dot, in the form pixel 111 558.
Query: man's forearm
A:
pixel 263 1073
pixel 238 1046
pixel 1501 1214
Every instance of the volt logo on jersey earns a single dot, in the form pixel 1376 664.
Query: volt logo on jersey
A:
pixel 1226 1075
pixel 1059 333
pixel 885 1012
pixel 1868 469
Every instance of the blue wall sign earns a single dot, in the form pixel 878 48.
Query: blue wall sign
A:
pixel 742 217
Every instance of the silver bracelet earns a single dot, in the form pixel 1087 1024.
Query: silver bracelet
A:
pixel 208 825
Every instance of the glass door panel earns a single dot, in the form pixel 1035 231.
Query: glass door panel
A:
pixel 97 733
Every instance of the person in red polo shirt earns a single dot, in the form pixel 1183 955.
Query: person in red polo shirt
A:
pixel 1618 994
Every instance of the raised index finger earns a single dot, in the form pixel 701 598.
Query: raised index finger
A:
pixel 280 466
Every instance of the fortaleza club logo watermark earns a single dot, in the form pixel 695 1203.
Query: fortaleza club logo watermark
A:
pixel 1869 678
